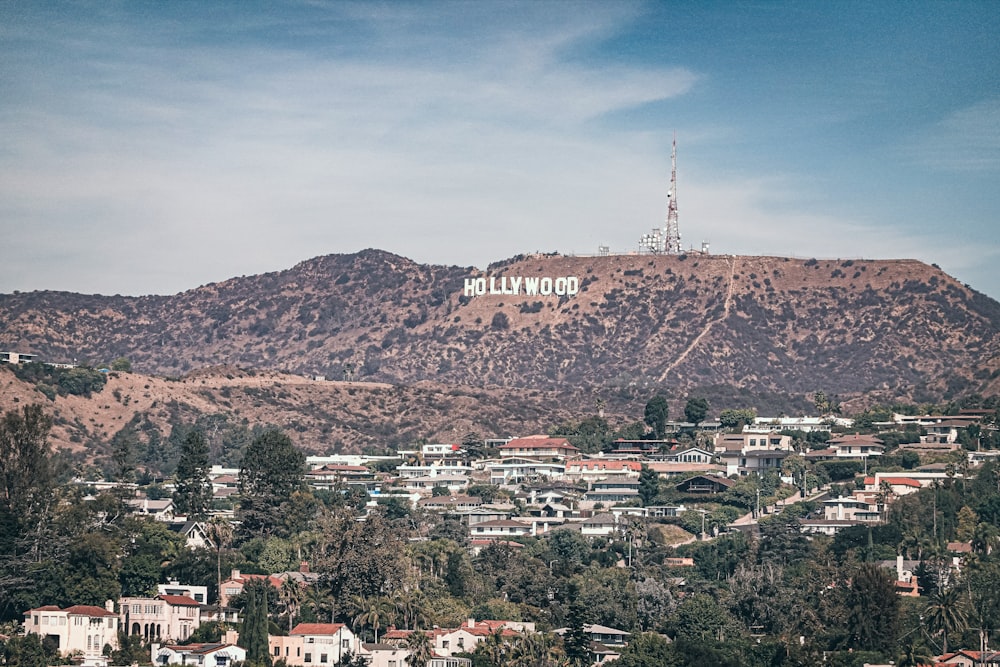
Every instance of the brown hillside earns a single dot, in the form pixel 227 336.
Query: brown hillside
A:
pixel 752 324
pixel 320 416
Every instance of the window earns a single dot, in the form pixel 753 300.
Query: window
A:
pixel 308 657
pixel 62 620
pixel 322 658
pixel 345 643
pixel 45 620
pixel 137 609
pixel 36 619
pixel 277 651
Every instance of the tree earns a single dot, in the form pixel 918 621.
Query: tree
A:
pixel 646 649
pixel 193 488
pixel 221 534
pixel 945 614
pixel 916 654
pixel 736 419
pixel 649 485
pixel 696 410
pixel 121 364
pixel 271 472
pixel 26 651
pixel 656 415
pixel 872 609
pixel 576 641
pixel 253 634
pixel 420 648
pixel 27 479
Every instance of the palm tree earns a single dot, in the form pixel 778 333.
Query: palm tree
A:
pixel 291 595
pixel 419 646
pixel 373 612
pixel 915 655
pixel 221 534
pixel 945 613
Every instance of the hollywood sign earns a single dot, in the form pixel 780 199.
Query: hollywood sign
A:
pixel 523 285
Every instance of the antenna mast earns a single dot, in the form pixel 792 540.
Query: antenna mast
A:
pixel 666 240
pixel 672 231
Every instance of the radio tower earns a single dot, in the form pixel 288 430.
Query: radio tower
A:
pixel 671 230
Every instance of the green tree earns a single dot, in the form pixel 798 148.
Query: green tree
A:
pixel 271 472
pixel 695 410
pixel 646 649
pixel 576 641
pixel 916 654
pixel 193 488
pixel 945 614
pixel 738 418
pixel 872 610
pixel 24 651
pixel 253 633
pixel 27 479
pixel 656 415
pixel 649 485
pixel 420 648
pixel 121 364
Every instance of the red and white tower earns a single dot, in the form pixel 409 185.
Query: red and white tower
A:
pixel 671 231
pixel 666 239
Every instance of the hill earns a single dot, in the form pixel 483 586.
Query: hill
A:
pixel 322 417
pixel 727 326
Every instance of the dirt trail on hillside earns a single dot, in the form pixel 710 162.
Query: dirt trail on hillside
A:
pixel 708 326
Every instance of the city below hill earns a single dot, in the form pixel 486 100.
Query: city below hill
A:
pixel 559 332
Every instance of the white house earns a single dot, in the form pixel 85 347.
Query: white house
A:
pixel 201 655
pixel 81 629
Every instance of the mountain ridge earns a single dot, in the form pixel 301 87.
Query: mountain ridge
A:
pixel 894 328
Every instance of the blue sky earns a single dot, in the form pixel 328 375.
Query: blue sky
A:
pixel 152 147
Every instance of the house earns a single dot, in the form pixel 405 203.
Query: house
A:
pixel 454 483
pixel 17 358
pixel 514 470
pixel 81 629
pixel 602 634
pixel 688 455
pixel 598 469
pixel 500 529
pixel 450 502
pixel 194 533
pixel 967 658
pixel 204 655
pixel 704 484
pixel 609 491
pixel 745 441
pixel 313 644
pixel 337 475
pixel 161 509
pixel 669 469
pixel 464 639
pixel 753 461
pixel 638 448
pixel 165 617
pixel 600 525
pixel 198 593
pixel 804 424
pixel 539 448
pixel 237 580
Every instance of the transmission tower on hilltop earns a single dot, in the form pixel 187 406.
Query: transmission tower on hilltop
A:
pixel 666 240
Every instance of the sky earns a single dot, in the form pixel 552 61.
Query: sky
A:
pixel 153 147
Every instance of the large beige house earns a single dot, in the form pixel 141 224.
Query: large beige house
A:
pixel 82 630
pixel 161 618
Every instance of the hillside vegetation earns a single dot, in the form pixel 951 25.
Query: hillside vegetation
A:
pixel 888 328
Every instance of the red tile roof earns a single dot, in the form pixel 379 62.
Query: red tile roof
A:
pixel 316 629
pixel 89 610
pixel 179 600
